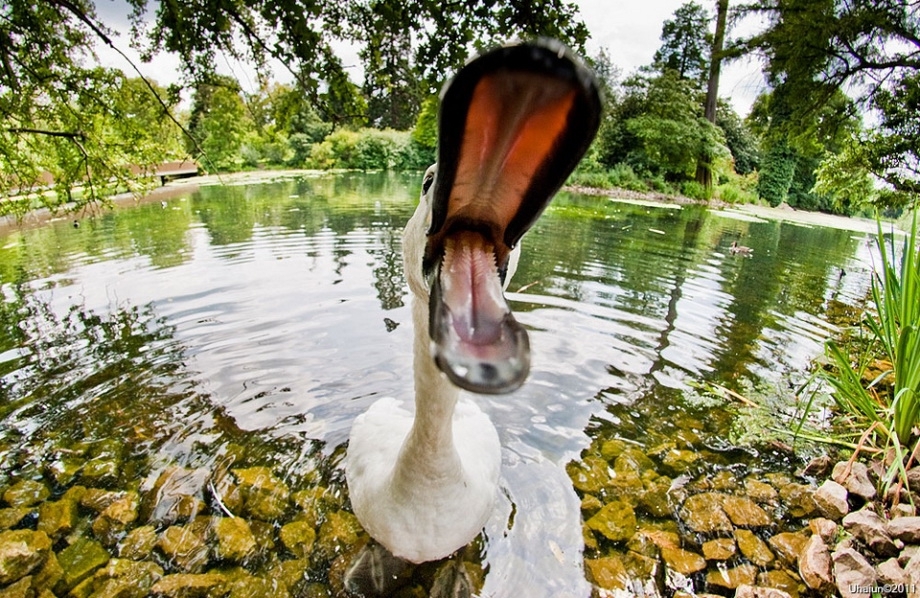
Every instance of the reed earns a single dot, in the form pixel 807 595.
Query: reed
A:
pixel 887 408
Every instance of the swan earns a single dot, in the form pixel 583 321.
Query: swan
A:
pixel 422 475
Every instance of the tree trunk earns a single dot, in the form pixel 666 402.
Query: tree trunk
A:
pixel 704 165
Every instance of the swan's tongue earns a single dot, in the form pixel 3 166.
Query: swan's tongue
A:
pixel 475 339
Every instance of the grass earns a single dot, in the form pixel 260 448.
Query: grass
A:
pixel 885 410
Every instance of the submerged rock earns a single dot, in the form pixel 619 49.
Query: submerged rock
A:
pixel 608 573
pixel 185 546
pixel 80 560
pixel 176 495
pixel 190 585
pixel 703 513
pixel 616 521
pixel 57 518
pixel 265 497
pixel 113 522
pixel 752 547
pixel 788 546
pixel 22 552
pixel 744 574
pixel 138 544
pixel 682 561
pixel 744 512
pixel 298 537
pixel 720 549
pixel 235 541
pixel 26 493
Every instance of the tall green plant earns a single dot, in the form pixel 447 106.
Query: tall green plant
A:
pixel 894 327
pixel 896 295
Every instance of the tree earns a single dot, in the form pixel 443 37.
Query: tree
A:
pixel 686 43
pixel 219 124
pixel 670 130
pixel 703 165
pixel 79 128
pixel 51 93
pixel 868 48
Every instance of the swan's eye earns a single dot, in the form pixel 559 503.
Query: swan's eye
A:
pixel 426 183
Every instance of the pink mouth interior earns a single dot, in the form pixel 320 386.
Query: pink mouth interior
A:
pixel 477 342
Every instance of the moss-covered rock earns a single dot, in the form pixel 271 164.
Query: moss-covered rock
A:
pixel 682 561
pixel 616 521
pixel 265 496
pixel 703 513
pixel 298 537
pixel 12 516
pixel 338 534
pixel 719 549
pixel 590 475
pixel 124 578
pixel 113 522
pixel 752 547
pixel 22 552
pixel 190 585
pixel 176 496
pixel 79 561
pixel 744 574
pixel 101 472
pixel 744 512
pixel 235 541
pixel 607 573
pixel 57 518
pixel 186 547
pixel 26 493
pixel 138 544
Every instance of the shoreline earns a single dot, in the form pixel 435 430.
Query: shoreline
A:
pixel 181 186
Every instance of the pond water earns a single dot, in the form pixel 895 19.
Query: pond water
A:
pixel 247 326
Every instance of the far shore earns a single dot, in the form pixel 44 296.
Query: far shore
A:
pixel 178 187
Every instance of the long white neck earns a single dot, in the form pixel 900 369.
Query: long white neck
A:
pixel 428 454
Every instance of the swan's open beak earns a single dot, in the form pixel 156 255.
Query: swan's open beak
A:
pixel 513 125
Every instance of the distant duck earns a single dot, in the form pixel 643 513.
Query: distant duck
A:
pixel 736 249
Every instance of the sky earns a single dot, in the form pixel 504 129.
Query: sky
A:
pixel 630 31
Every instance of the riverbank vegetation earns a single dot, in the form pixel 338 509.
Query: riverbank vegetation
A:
pixel 875 375
pixel 835 129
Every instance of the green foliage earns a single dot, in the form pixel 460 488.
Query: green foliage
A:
pixel 220 125
pixel 740 139
pixel 670 131
pixel 686 43
pixel 370 149
pixel 70 131
pixel 425 132
pixel 888 407
pixel 815 49
pixel 776 174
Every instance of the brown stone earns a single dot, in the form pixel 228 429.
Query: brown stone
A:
pixel 744 512
pixel 755 549
pixel 720 549
pixel 815 564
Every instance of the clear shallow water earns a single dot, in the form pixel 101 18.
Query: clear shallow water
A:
pixel 269 316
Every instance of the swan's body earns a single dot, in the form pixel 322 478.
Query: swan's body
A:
pixel 513 125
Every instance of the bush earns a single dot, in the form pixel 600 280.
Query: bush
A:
pixel 369 149
pixel 694 190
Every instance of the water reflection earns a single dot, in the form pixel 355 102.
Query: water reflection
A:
pixel 250 325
